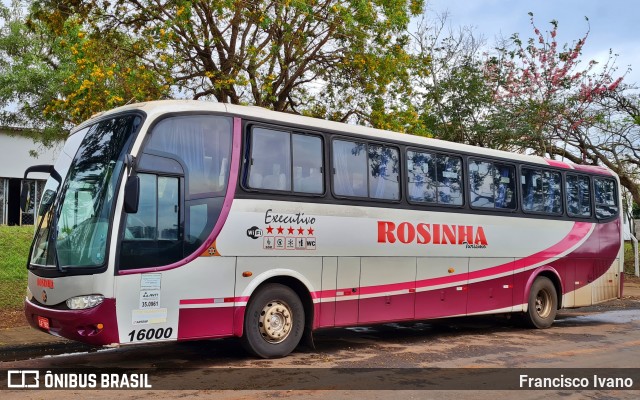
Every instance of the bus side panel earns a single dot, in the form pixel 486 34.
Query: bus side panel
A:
pixel 568 276
pixel 441 287
pixel 348 283
pixel 193 301
pixel 207 301
pixel 494 294
pixel 327 298
pixel 387 289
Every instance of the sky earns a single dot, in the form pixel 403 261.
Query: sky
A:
pixel 613 24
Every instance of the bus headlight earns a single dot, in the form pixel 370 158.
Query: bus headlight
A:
pixel 83 302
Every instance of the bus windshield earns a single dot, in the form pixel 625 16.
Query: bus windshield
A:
pixel 81 214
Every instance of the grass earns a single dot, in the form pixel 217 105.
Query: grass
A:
pixel 14 250
pixel 629 266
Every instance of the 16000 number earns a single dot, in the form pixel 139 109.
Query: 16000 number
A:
pixel 150 334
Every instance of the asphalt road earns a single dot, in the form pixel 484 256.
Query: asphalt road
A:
pixel 482 353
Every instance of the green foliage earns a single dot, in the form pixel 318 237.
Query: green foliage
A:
pixel 56 74
pixel 629 261
pixel 14 245
pixel 344 60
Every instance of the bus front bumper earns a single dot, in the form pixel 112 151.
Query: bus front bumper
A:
pixel 97 326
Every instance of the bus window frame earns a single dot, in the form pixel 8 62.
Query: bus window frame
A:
pixel 591 196
pixel 518 206
pixel 463 158
pixel 367 142
pixel 616 196
pixel 247 143
pixel 563 212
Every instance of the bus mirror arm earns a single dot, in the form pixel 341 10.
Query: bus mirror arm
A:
pixel 132 194
pixel 24 191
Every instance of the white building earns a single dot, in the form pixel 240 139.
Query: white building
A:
pixel 15 156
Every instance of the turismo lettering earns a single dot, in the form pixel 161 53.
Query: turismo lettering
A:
pixel 406 232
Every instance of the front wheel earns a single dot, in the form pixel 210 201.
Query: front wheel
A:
pixel 543 303
pixel 273 322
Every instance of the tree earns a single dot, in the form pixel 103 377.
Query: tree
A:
pixel 552 104
pixel 542 91
pixel 54 74
pixel 295 56
pixel 454 98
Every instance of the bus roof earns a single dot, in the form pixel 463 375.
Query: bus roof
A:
pixel 154 109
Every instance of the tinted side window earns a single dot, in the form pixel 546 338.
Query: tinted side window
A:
pixel 578 196
pixel 361 170
pixel 434 178
pixel 421 168
pixel 606 198
pixel 270 160
pixel 449 180
pixel 492 185
pixel 383 172
pixel 203 145
pixel 307 164
pixel 350 168
pixel 541 191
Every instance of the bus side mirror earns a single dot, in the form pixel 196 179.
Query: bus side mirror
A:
pixel 24 195
pixel 132 194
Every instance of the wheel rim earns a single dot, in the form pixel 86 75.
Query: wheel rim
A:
pixel 275 321
pixel 543 303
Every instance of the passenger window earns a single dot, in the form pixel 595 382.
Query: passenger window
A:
pixel 606 198
pixel 449 179
pixel 350 168
pixel 362 170
pixel 202 144
pixel 308 173
pixel 492 185
pixel 578 196
pixel 383 173
pixel 434 178
pixel 270 160
pixel 541 191
pixel 421 168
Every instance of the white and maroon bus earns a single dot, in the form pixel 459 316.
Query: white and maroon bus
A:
pixel 181 220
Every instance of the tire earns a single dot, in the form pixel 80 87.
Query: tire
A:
pixel 543 304
pixel 282 334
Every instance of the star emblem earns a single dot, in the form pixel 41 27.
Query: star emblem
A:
pixel 300 231
pixel 290 230
pixel 310 230
pixel 280 230
pixel 269 229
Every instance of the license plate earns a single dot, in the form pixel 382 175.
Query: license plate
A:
pixel 43 322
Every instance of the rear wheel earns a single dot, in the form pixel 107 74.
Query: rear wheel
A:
pixel 273 322
pixel 543 303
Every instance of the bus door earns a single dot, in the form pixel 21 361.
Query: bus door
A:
pixel 441 287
